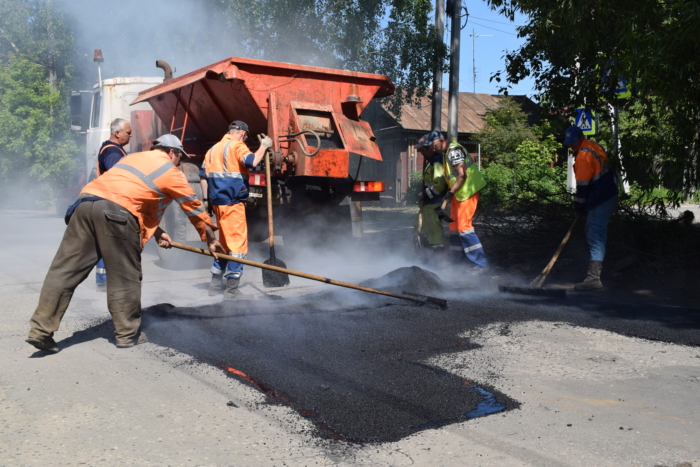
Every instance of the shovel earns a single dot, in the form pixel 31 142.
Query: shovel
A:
pixel 442 214
pixel 272 278
pixel 535 287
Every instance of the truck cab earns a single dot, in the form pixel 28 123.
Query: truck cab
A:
pixel 112 100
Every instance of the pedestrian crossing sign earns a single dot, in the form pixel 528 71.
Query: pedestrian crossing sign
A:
pixel 587 121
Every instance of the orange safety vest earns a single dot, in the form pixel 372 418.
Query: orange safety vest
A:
pixel 144 184
pixel 97 160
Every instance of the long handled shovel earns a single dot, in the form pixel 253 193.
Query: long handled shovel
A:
pixel 535 287
pixel 404 296
pixel 272 278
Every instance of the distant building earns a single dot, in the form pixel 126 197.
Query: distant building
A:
pixel 397 137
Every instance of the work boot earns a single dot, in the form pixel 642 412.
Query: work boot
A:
pixel 232 291
pixel 47 344
pixel 592 281
pixel 139 339
pixel 216 286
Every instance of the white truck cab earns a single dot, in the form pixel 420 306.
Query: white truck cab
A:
pixel 110 101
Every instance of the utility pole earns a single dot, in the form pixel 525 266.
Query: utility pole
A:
pixel 436 115
pixel 474 55
pixel 452 120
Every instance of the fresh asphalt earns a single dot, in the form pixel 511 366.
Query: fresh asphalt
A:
pixel 393 380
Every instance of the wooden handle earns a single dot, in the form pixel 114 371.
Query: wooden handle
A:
pixel 414 298
pixel 268 182
pixel 539 280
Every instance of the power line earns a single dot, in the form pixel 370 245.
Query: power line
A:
pixel 499 22
pixel 487 27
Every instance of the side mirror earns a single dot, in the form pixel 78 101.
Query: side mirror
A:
pixel 76 119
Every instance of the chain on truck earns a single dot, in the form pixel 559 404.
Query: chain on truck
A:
pixel 324 161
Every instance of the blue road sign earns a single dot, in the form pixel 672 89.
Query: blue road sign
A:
pixel 587 121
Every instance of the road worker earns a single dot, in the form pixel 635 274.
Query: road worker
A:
pixel 113 218
pixel 110 154
pixel 464 181
pixel 224 181
pixel 596 198
pixel 434 191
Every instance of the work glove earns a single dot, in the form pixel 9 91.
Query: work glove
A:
pixel 265 140
pixel 448 196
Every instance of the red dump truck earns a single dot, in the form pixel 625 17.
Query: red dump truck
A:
pixel 324 160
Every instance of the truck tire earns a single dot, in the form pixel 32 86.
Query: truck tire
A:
pixel 176 224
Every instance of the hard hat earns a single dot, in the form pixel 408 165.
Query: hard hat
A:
pixel 170 141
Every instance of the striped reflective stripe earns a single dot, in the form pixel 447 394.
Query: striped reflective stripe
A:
pixel 225 175
pixel 100 270
pixel 148 179
pixel 583 182
pixel 226 152
pixel 473 247
pixel 466 232
pixel 195 212
pixel 239 255
pixel 185 199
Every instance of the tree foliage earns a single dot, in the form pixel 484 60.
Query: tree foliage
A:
pixel 392 37
pixel 36 146
pixel 505 129
pixel 577 51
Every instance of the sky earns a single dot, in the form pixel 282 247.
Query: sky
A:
pixel 494 36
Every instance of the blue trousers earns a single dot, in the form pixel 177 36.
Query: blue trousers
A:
pixel 468 243
pixel 100 273
pixel 228 268
pixel 597 228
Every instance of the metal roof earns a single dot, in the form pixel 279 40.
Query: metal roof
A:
pixel 471 111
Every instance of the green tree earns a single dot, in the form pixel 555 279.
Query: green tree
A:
pixel 505 129
pixel 36 146
pixel 392 37
pixel 577 51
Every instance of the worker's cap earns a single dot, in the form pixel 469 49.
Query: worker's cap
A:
pixel 572 134
pixel 428 139
pixel 238 125
pixel 172 142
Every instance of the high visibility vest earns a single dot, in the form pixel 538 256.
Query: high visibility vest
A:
pixel 145 183
pixel 434 179
pixel 226 170
pixel 110 144
pixel 474 181
pixel 595 180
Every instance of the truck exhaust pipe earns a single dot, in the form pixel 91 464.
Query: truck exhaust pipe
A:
pixel 167 71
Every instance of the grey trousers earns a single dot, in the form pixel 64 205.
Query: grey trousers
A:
pixel 97 229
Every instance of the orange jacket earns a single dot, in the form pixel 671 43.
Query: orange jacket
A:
pixel 595 181
pixel 144 184
pixel 227 174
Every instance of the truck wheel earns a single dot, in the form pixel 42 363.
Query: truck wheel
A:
pixel 176 224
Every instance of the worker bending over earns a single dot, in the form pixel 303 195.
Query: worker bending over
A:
pixel 113 218
pixel 432 195
pixel 224 181
pixel 110 154
pixel 596 197
pixel 464 181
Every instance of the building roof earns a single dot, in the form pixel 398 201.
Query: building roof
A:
pixel 472 109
